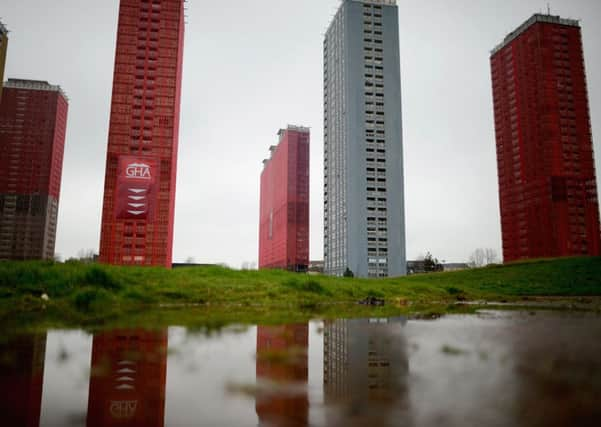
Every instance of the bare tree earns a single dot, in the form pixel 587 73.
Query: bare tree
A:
pixel 483 257
pixel 190 260
pixel 491 256
pixel 86 255
pixel 477 258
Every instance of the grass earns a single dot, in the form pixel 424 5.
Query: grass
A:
pixel 96 294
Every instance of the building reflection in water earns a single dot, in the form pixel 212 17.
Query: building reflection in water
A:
pixel 365 373
pixel 127 381
pixel 21 380
pixel 283 373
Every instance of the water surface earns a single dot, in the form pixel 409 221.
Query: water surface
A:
pixel 495 368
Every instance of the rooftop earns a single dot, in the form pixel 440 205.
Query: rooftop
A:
pixel 34 85
pixel 378 2
pixel 537 18
pixel 281 133
pixel 301 129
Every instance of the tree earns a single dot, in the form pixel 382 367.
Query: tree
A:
pixel 86 255
pixel 348 273
pixel 477 258
pixel 490 255
pixel 431 263
pixel 190 260
pixel 483 257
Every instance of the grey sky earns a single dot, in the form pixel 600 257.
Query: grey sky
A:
pixel 251 67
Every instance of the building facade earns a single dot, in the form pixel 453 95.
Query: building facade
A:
pixel 33 124
pixel 139 191
pixel 3 50
pixel 546 169
pixel 364 219
pixel 284 212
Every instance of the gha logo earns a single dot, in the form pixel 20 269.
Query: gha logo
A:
pixel 138 170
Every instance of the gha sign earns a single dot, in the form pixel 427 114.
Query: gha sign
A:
pixel 137 180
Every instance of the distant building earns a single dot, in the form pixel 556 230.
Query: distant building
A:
pixel 364 208
pixel 316 266
pixel 455 266
pixel 141 162
pixel 284 211
pixel 547 184
pixel 3 50
pixel 416 267
pixel 33 124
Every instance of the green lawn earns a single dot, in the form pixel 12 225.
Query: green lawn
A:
pixel 93 292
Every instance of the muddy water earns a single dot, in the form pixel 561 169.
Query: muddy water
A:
pixel 491 369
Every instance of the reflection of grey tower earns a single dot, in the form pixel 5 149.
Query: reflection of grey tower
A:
pixel 365 372
pixel 364 220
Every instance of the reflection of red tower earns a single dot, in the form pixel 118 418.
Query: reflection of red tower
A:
pixel 127 384
pixel 21 380
pixel 139 192
pixel 282 359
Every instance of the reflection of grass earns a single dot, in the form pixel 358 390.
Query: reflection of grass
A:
pixel 452 351
pixel 92 293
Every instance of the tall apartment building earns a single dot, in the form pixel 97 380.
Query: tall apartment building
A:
pixel 364 219
pixel 3 49
pixel 128 379
pixel 284 212
pixel 139 189
pixel 33 123
pixel 547 184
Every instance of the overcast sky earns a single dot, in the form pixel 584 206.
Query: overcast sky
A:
pixel 252 67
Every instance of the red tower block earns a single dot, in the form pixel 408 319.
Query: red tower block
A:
pixel 547 183
pixel 284 215
pixel 139 189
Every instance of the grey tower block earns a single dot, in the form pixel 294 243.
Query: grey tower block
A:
pixel 363 145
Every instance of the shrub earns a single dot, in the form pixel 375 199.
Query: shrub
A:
pixel 98 277
pixel 454 291
pixel 310 285
pixel 86 299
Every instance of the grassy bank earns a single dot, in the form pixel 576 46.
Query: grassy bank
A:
pixel 95 293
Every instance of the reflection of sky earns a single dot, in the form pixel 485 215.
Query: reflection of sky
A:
pixel 493 369
pixel 66 379
pixel 199 367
